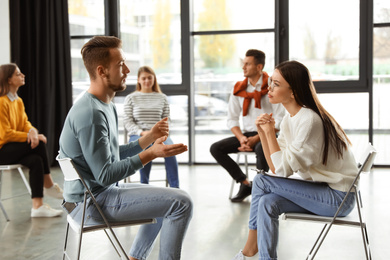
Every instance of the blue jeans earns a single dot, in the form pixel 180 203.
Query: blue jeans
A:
pixel 171 167
pixel 131 201
pixel 272 196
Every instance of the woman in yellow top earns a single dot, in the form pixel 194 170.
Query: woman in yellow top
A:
pixel 20 142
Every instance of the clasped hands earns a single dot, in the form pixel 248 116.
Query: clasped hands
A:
pixel 265 123
pixel 33 138
pixel 160 132
pixel 247 143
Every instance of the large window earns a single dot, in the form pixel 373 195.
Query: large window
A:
pixel 381 80
pixel 196 48
pixel 86 19
pixel 151 35
pixel 221 39
pixel 326 41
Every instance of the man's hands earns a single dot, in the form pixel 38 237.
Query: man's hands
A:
pixel 158 134
pixel 161 128
pixel 159 149
pixel 245 144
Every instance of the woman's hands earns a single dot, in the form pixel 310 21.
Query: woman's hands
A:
pixel 265 123
pixel 33 138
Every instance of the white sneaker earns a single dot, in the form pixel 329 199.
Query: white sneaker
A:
pixel 54 191
pixel 239 256
pixel 45 211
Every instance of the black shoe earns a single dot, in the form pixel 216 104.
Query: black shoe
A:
pixel 244 192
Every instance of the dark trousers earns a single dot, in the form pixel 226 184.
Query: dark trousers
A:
pixel 221 150
pixel 35 159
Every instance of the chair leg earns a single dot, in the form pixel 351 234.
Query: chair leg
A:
pixel 4 212
pixel 112 243
pixel 363 228
pixel 316 246
pixel 246 165
pixel 233 181
pixel 66 242
pixel 231 189
pixel 24 179
pixel 1 204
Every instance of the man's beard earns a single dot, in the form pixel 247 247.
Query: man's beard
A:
pixel 116 87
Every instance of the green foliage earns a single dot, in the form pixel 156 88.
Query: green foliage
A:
pixel 215 50
pixel 161 38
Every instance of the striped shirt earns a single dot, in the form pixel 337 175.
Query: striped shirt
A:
pixel 144 110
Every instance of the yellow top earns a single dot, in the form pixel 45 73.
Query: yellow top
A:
pixel 14 124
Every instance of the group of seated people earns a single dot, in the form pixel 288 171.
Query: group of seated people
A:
pixel 285 125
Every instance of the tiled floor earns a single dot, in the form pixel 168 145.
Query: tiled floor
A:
pixel 217 231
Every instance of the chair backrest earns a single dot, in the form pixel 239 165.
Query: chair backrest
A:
pixel 68 169
pixel 367 158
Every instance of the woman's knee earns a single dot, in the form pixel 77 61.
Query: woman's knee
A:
pixel 258 180
pixel 34 162
pixel 269 206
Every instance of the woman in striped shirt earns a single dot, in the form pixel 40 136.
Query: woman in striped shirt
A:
pixel 143 109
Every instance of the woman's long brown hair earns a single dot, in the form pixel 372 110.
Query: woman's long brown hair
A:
pixel 298 77
pixel 147 69
pixel 6 72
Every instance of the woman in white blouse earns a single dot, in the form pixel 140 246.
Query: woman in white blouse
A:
pixel 312 145
pixel 143 109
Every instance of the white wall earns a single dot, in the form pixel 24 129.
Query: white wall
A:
pixel 5 51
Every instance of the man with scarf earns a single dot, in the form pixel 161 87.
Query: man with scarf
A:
pixel 249 99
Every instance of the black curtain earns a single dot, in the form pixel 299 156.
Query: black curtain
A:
pixel 40 46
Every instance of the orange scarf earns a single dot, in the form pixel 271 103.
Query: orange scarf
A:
pixel 240 90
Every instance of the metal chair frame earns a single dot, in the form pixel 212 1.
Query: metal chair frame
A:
pixel 71 173
pixel 365 165
pixel 11 167
pixel 245 154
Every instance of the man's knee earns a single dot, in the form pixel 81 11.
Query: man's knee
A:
pixel 259 150
pixel 185 201
pixel 214 149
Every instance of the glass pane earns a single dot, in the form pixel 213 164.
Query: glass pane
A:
pixel 381 11
pixel 151 35
pixel 86 17
pixel 328 47
pixel 80 77
pixel 233 15
pixel 381 91
pixel 217 68
pixel 178 126
pixel 351 111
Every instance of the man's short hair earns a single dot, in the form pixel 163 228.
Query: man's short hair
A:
pixel 259 56
pixel 97 52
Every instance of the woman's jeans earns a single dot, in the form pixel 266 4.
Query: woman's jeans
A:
pixel 171 166
pixel 172 209
pixel 272 196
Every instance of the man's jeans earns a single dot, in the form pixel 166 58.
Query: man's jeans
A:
pixel 131 201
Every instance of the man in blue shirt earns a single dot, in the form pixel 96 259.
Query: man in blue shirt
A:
pixel 90 138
